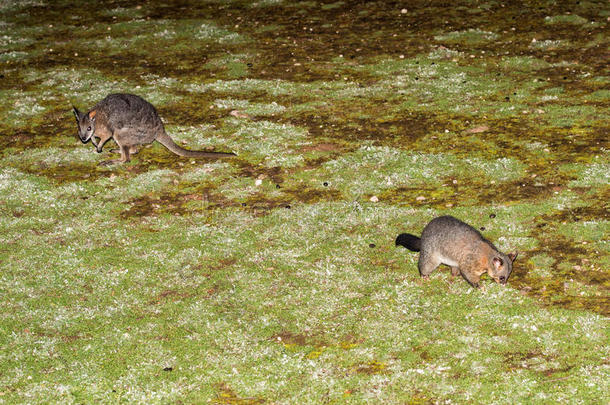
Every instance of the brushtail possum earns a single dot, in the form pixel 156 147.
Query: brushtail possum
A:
pixel 447 240
pixel 132 122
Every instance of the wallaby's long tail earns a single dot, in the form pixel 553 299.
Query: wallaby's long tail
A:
pixel 409 241
pixel 168 142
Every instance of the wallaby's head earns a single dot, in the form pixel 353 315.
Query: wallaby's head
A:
pixel 86 124
pixel 501 266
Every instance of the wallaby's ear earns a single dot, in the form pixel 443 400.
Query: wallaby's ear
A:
pixel 77 113
pixel 92 114
pixel 512 256
pixel 497 262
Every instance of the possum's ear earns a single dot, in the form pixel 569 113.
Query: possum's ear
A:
pixel 512 256
pixel 497 262
pixel 92 114
pixel 77 113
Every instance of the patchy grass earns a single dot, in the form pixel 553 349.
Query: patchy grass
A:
pixel 572 19
pixel 170 279
pixel 523 63
pixel 469 37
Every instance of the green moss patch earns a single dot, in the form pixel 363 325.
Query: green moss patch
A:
pixel 272 276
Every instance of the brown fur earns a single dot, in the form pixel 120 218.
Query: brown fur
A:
pixel 447 240
pixel 132 122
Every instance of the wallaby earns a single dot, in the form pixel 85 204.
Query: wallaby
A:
pixel 447 240
pixel 132 122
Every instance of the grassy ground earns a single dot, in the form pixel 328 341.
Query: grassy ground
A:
pixel 273 277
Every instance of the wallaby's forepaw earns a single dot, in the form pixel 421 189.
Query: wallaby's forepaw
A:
pixel 115 150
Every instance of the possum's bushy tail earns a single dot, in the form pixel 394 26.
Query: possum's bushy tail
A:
pixel 409 241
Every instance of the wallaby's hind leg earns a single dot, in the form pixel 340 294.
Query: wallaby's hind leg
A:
pixel 124 139
pixel 124 149
pixel 124 157
pixel 125 154
pixel 427 264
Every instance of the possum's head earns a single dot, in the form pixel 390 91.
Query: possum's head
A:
pixel 86 124
pixel 501 266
